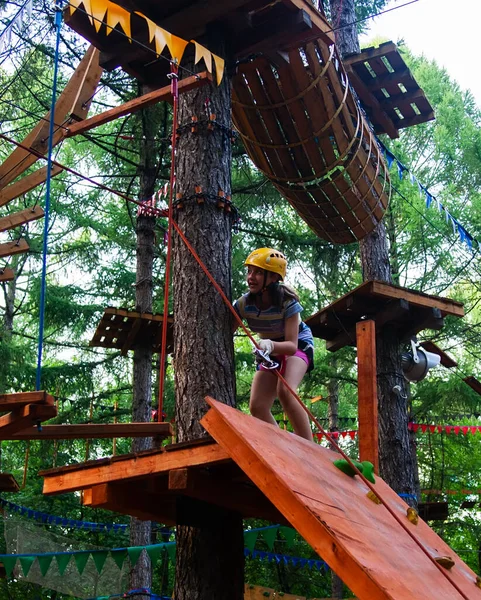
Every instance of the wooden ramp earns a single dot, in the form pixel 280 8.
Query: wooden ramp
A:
pixel 262 471
pixel 359 539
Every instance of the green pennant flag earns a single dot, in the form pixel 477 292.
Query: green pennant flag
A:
pixel 9 564
pixel 250 539
pixel 171 548
pixel 81 559
pixel 118 556
pixel 44 563
pixel 134 554
pixel 62 562
pixel 99 558
pixel 154 552
pixel 289 535
pixel 26 562
pixel 269 536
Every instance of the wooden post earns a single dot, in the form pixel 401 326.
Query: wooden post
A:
pixel 367 392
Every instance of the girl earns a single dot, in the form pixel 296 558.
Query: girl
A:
pixel 272 310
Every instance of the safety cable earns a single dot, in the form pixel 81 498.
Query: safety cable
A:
pixel 329 438
pixel 174 78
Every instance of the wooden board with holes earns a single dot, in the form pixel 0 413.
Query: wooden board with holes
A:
pixel 379 554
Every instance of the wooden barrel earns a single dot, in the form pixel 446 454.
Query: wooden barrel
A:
pixel 304 129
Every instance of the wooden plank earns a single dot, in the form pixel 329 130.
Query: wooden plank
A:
pixel 95 431
pixel 26 184
pixel 20 218
pixel 332 512
pixel 119 498
pixel 161 95
pixel 446 360
pixel 367 393
pixel 13 247
pixel 132 468
pixel 6 274
pixel 24 417
pixel 473 383
pixel 75 100
pixel 13 401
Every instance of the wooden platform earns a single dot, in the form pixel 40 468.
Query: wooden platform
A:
pixel 260 469
pixel 388 91
pixel 407 311
pixel 121 329
pixel 24 410
pixel 250 25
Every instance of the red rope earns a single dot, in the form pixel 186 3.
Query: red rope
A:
pixel 315 420
pixel 174 70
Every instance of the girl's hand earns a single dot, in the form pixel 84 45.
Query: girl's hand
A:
pixel 266 346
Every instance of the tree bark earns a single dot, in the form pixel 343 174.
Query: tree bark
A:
pixel 397 464
pixel 210 556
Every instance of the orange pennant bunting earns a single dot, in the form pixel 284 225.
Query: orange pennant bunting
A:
pixel 176 48
pixel 74 4
pixel 98 8
pixel 116 15
pixel 219 67
pixel 201 52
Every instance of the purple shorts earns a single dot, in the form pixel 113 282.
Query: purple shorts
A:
pixel 281 359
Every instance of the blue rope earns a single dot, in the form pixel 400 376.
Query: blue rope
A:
pixel 58 24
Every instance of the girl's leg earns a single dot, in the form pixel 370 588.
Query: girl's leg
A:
pixel 295 370
pixel 263 394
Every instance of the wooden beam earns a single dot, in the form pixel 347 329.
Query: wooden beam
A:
pixel 26 184
pixel 367 393
pixel 241 496
pixel 74 102
pixel 13 401
pixel 95 431
pixel 161 95
pixel 15 247
pixel 8 483
pixel 445 305
pixel 446 360
pixel 6 274
pixel 20 218
pixel 369 53
pixel 24 417
pixel 473 384
pixel 60 482
pixel 120 498
pixel 129 340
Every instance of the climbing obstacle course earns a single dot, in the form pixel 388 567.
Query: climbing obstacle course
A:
pixel 377 557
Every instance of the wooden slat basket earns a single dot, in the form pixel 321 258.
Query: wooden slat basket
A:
pixel 303 128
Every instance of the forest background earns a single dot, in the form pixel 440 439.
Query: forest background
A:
pixel 91 265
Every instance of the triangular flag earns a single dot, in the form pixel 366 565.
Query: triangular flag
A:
pixel 473 429
pixel 447 428
pixel 432 428
pixel 289 535
pixel 465 430
pixel 424 428
pixel 9 564
pixel 98 8
pixel 171 548
pixel 219 67
pixel 154 552
pixel 161 36
pixel 118 556
pixel 74 4
pixel 62 561
pixel 457 429
pixel 352 434
pixel 26 562
pixel 44 563
pixel 176 46
pixel 116 15
pixel 81 559
pixel 134 553
pixel 99 557
pixel 250 539
pixel 201 52
pixel 269 536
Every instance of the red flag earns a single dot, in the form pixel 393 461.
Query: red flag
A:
pixel 465 430
pixel 352 434
pixel 473 429
pixel 447 428
pixel 410 426
pixel 424 428
pixel 432 428
pixel 440 428
pixel 415 427
pixel 344 433
pixel 457 429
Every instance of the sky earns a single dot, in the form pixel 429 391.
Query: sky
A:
pixel 443 30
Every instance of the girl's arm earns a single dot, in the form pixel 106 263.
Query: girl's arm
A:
pixel 291 334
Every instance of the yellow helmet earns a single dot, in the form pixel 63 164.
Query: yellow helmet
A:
pixel 269 260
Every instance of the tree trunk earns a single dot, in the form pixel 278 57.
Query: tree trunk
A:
pixel 397 465
pixel 141 531
pixel 209 541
